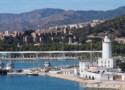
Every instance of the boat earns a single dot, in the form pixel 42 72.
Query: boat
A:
pixel 10 66
pixel 2 71
pixel 1 65
pixel 47 64
pixel 32 74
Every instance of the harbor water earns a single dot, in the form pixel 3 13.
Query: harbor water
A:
pixel 39 63
pixel 39 82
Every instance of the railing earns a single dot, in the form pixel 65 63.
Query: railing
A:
pixel 39 58
pixel 30 52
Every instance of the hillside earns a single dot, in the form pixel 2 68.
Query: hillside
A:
pixel 116 27
pixel 43 18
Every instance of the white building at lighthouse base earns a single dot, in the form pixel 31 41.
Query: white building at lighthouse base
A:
pixel 105 68
pixel 110 63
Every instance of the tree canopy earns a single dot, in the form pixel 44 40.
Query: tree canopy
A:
pixel 122 66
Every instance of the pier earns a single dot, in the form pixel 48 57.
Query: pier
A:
pixel 33 55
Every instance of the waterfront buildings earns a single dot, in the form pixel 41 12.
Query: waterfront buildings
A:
pixel 104 68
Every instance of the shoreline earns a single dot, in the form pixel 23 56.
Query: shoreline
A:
pixel 90 83
pixel 115 85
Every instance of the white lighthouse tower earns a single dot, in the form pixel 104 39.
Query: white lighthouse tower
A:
pixel 106 48
pixel 106 60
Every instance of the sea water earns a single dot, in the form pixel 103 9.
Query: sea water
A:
pixel 39 82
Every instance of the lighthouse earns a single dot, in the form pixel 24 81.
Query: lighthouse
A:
pixel 107 60
pixel 106 48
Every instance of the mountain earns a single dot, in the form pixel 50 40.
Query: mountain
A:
pixel 43 18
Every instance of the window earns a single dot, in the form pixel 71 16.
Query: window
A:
pixel 108 61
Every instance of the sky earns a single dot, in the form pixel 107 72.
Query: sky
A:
pixel 20 6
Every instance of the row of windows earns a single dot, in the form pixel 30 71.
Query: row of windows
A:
pixel 106 65
pixel 105 62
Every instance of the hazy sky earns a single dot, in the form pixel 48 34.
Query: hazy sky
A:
pixel 19 6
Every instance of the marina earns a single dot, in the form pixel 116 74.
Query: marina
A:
pixel 63 80
pixel 64 74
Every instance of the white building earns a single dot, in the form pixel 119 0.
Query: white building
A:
pixel 70 40
pixel 104 69
pixel 88 71
pixel 6 32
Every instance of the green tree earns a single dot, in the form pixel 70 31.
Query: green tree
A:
pixel 28 32
pixel 9 40
pixel 122 66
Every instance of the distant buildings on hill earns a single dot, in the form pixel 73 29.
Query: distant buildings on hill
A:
pixel 58 34
pixel 79 25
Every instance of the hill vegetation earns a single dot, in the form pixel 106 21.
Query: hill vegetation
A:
pixel 116 27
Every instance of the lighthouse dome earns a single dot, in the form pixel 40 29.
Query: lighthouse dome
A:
pixel 107 39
